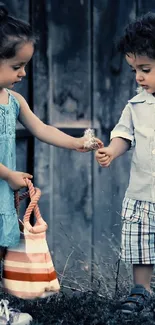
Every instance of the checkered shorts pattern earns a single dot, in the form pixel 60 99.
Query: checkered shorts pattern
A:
pixel 138 232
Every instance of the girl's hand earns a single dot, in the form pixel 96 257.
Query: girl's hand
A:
pixel 80 146
pixel 16 180
pixel 104 156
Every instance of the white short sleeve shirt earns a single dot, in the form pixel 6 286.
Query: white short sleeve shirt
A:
pixel 137 124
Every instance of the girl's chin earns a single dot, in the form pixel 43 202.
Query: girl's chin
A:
pixel 11 86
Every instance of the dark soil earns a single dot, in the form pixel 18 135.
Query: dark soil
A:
pixel 81 309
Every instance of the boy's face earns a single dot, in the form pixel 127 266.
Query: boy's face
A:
pixel 144 68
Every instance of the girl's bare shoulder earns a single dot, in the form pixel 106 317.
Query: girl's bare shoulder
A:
pixel 19 97
pixel 16 95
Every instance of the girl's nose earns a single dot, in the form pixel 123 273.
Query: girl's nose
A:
pixel 22 73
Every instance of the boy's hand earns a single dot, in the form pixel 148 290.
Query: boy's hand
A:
pixel 16 180
pixel 104 156
pixel 81 144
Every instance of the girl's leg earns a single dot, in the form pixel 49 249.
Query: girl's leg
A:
pixel 9 314
pixel 2 252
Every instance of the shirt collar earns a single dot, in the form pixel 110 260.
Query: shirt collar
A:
pixel 143 96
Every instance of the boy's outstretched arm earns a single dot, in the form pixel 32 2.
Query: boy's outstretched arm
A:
pixel 116 148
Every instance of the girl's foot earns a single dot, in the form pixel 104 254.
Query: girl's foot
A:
pixel 12 316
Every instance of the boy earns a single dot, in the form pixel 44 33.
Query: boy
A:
pixel 136 129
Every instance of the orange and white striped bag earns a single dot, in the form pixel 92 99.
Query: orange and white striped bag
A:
pixel 28 270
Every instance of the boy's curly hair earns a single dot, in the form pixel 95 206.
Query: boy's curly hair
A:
pixel 139 37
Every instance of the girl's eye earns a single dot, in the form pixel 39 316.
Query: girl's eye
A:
pixel 143 70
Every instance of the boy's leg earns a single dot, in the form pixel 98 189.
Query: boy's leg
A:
pixel 140 294
pixel 142 274
pixel 138 248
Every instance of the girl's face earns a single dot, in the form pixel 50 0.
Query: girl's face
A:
pixel 144 69
pixel 13 70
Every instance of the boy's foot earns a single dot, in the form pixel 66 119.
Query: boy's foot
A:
pixel 136 301
pixel 12 316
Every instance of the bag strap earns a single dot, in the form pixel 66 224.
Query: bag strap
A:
pixel 18 198
pixel 34 193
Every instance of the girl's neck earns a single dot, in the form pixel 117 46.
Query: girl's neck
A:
pixel 3 96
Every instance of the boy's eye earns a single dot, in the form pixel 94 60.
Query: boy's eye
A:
pixel 146 70
pixel 133 70
pixel 16 67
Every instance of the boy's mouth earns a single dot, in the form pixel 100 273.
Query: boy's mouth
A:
pixel 144 86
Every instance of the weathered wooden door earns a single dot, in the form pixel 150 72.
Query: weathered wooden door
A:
pixel 77 80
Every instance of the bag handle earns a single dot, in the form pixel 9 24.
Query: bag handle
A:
pixel 34 193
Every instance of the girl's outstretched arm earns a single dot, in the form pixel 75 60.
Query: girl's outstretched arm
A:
pixel 48 133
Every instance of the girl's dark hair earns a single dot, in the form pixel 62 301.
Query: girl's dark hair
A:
pixel 139 37
pixel 13 33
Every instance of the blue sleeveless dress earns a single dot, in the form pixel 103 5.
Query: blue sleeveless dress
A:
pixel 9 229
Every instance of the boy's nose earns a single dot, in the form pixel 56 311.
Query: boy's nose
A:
pixel 139 77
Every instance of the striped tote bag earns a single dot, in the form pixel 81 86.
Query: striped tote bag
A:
pixel 28 271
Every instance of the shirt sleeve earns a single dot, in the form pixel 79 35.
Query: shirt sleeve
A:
pixel 124 128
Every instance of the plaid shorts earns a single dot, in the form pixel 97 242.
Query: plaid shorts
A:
pixel 138 232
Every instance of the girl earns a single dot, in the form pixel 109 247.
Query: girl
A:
pixel 16 50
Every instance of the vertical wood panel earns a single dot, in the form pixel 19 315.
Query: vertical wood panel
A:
pixel 113 86
pixel 70 60
pixel 72 216
pixel 40 102
pixel 72 199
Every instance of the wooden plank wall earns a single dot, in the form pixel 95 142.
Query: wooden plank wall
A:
pixel 72 178
pixel 76 80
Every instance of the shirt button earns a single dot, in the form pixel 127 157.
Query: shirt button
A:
pixel 153 174
pixel 153 151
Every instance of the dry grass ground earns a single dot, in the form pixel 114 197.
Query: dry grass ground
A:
pixel 81 309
